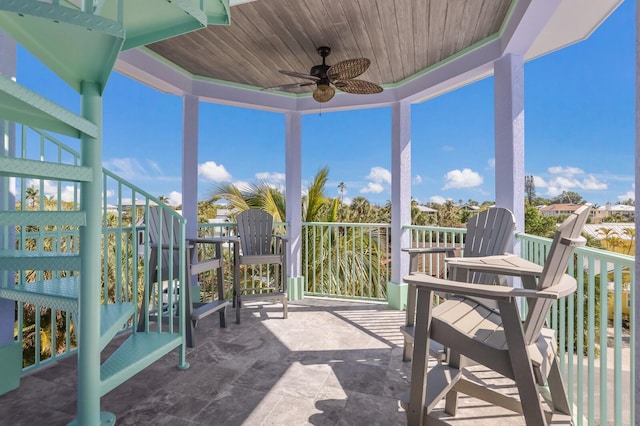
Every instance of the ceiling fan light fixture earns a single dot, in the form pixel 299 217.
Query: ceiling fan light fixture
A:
pixel 323 93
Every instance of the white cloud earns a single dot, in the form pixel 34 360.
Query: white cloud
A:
pixel 592 183
pixel 379 175
pixel 214 172
pixel 491 163
pixel 465 178
pixel 417 180
pixel 437 199
pixel 175 198
pixel 372 188
pixel 567 171
pixel 629 195
pixel 128 168
pixel 269 177
pixel 539 182
pixel 347 201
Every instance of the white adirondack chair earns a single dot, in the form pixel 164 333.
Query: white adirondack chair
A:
pixel 488 232
pixel 260 246
pixel 524 351
pixel 164 265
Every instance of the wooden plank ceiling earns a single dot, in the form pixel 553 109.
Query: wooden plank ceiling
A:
pixel 401 37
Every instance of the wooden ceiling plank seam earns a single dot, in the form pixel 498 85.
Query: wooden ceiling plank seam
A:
pixel 376 42
pixel 500 14
pixel 266 66
pixel 473 11
pixel 281 39
pixel 225 54
pixel 454 27
pixel 487 15
pixel 389 27
pixel 352 12
pixel 348 42
pixel 307 52
pixel 309 48
pixel 437 19
pixel 318 13
pixel 420 18
pixel 260 41
pixel 405 36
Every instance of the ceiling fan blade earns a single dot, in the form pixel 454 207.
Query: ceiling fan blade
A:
pixel 288 86
pixel 346 70
pixel 358 87
pixel 299 75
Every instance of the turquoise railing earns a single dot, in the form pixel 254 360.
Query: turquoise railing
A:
pixel 595 329
pixel 48 334
pixel 346 259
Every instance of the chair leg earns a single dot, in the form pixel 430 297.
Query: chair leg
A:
pixel 557 389
pixel 451 401
pixel 417 393
pixel 521 365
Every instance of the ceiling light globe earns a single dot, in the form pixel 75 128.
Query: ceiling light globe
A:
pixel 323 93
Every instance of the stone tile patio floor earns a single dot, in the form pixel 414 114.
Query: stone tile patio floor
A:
pixel 333 362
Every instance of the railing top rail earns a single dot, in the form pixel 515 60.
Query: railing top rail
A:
pixel 383 225
pixel 433 228
pixel 608 256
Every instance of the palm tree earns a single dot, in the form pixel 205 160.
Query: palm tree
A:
pixel 631 232
pixel 163 199
pixel 609 234
pixel 31 195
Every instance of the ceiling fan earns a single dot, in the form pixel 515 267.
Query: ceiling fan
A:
pixel 341 76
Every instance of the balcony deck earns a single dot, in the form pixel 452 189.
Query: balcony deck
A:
pixel 333 362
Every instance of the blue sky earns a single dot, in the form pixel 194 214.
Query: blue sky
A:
pixel 579 132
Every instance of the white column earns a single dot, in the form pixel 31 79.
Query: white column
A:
pixel 636 297
pixel 7 189
pixel 400 187
pixel 293 172
pixel 509 137
pixel 190 164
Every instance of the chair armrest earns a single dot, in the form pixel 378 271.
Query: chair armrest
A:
pixel 429 250
pixel 566 286
pixel 175 246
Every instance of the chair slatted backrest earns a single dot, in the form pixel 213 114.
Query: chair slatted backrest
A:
pixel 566 237
pixel 163 231
pixel 488 233
pixel 255 230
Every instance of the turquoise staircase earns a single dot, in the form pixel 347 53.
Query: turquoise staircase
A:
pixel 79 40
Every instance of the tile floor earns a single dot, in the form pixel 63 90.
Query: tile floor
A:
pixel 332 362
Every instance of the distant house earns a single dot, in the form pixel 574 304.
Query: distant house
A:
pixel 427 210
pixel 626 212
pixel 558 209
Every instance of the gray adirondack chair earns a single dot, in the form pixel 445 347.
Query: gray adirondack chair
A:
pixel 260 246
pixel 164 263
pixel 488 232
pixel 524 351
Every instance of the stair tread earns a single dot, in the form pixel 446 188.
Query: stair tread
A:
pixel 112 318
pixel 42 218
pixel 149 21
pixel 38 27
pixel 57 293
pixel 39 260
pixel 137 352
pixel 34 169
pixel 22 105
